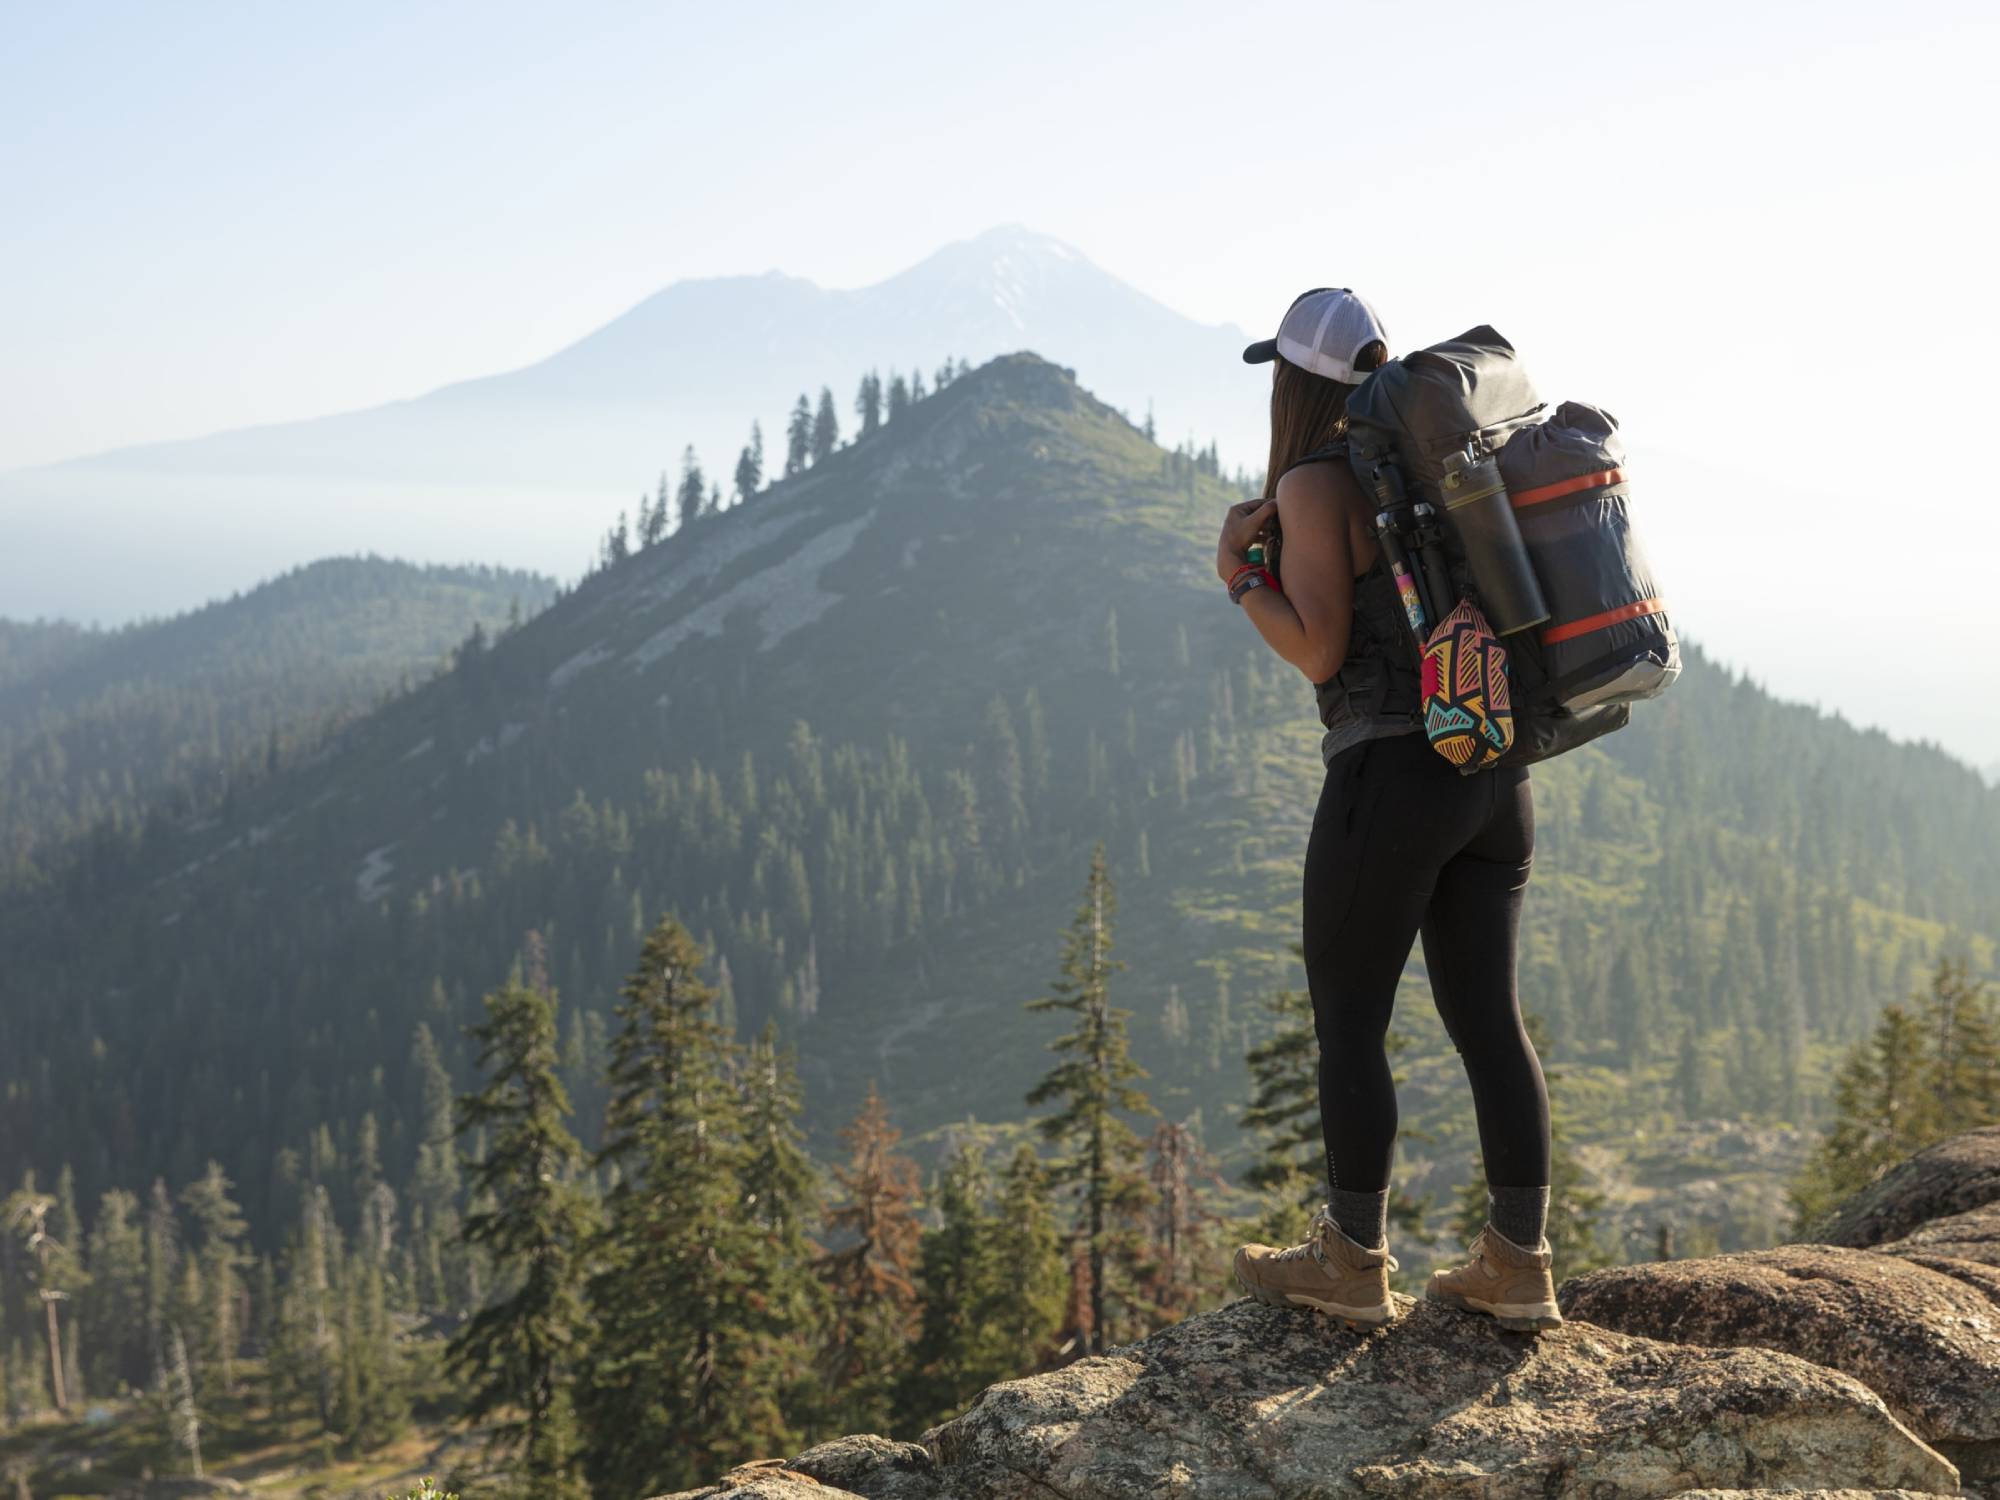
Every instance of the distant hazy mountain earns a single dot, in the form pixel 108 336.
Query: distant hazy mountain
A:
pixel 529 468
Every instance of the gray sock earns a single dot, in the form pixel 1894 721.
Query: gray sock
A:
pixel 1520 1213
pixel 1362 1217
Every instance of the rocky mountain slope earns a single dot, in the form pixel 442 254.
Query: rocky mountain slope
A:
pixel 1806 1370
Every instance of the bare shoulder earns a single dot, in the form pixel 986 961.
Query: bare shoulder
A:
pixel 1315 492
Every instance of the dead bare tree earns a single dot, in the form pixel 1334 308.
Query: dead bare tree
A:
pixel 28 1212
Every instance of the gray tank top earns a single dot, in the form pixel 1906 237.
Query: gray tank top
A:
pixel 1375 692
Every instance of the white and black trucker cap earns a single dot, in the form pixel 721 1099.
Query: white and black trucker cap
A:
pixel 1323 331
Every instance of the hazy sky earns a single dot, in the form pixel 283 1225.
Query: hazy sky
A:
pixel 223 214
pixel 1757 232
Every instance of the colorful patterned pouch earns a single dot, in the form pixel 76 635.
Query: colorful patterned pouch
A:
pixel 1467 713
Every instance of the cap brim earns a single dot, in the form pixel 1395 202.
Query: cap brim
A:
pixel 1261 353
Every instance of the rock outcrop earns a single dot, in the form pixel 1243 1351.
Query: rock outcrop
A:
pixel 1973 1235
pixel 1927 1342
pixel 1871 1363
pixel 875 1468
pixel 1953 1177
pixel 1251 1401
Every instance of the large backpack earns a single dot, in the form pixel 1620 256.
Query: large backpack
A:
pixel 1607 642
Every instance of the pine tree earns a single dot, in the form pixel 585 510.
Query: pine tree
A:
pixel 798 438
pixel 679 1385
pixel 163 1265
pixel 116 1302
pixel 434 1187
pixel 953 1358
pixel 781 1192
pixel 1102 1155
pixel 222 1228
pixel 1932 1067
pixel 617 544
pixel 868 403
pixel 374 1402
pixel 825 428
pixel 1035 721
pixel 653 519
pixel 1023 1305
pixel 750 465
pixel 693 488
pixel 1963 1027
pixel 1003 781
pixel 899 396
pixel 517 1355
pixel 870 1275
pixel 302 1360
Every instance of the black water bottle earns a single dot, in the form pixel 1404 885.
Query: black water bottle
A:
pixel 1475 501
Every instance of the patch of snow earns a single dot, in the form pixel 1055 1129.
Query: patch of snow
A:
pixel 371 884
pixel 422 747
pixel 583 661
pixel 911 546
pixel 785 596
pixel 170 918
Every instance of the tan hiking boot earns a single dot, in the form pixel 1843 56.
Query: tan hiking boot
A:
pixel 1329 1272
pixel 1503 1279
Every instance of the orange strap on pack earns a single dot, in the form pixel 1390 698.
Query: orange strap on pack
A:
pixel 1568 487
pixel 1556 634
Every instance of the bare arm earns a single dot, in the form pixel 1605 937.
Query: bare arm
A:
pixel 1308 624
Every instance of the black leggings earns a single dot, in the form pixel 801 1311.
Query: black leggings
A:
pixel 1402 844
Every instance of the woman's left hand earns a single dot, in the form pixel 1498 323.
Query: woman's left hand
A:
pixel 1240 525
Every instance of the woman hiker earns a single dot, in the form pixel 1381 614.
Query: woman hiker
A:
pixel 1402 846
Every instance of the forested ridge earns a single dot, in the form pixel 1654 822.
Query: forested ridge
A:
pixel 108 726
pixel 856 732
